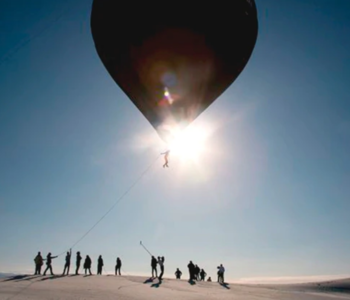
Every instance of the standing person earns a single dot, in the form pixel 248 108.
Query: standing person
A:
pixel 118 266
pixel 87 264
pixel 196 272
pixel 154 267
pixel 178 273
pixel 191 269
pixel 49 259
pixel 221 274
pixel 67 264
pixel 203 274
pixel 38 260
pixel 79 258
pixel 99 265
pixel 161 264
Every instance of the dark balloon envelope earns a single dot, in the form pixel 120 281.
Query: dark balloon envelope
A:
pixel 174 59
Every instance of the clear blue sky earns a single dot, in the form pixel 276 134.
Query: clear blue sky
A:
pixel 269 197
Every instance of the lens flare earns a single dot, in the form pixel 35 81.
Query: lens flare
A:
pixel 168 95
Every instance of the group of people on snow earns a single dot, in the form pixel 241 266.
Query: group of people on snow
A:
pixel 195 272
pixel 39 261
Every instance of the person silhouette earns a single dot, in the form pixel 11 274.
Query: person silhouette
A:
pixel 154 267
pixel 191 269
pixel 161 264
pixel 221 271
pixel 202 275
pixel 87 264
pixel 79 258
pixel 67 264
pixel 49 259
pixel 38 264
pixel 99 265
pixel 118 266
pixel 178 273
pixel 166 155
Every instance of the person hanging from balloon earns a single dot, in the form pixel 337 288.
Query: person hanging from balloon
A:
pixel 166 155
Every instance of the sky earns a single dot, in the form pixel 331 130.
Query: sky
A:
pixel 266 195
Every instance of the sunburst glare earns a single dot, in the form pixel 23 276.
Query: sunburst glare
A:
pixel 190 145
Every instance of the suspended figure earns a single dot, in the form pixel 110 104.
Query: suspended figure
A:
pixel 176 65
pixel 166 155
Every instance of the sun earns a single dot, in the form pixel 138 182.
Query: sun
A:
pixel 189 144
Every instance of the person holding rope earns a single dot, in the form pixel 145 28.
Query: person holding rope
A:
pixel 49 259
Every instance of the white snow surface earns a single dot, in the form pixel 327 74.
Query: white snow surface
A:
pixel 131 288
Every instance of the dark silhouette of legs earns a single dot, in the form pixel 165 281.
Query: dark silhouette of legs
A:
pixel 154 271
pixel 37 270
pixel 77 269
pixel 66 268
pixel 161 273
pixel 48 268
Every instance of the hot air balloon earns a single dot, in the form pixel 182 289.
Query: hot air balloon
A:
pixel 174 59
